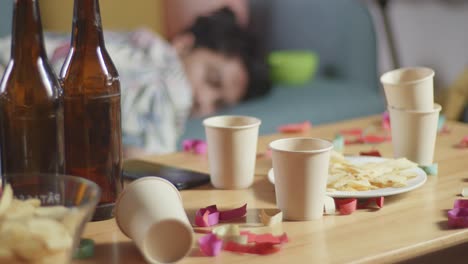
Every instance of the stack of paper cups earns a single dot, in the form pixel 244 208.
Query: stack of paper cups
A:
pixel 413 114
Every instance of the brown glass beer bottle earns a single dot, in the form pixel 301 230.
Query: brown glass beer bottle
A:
pixel 92 108
pixel 31 102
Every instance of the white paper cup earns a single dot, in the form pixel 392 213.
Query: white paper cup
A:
pixel 409 88
pixel 414 133
pixel 300 166
pixel 232 150
pixel 150 212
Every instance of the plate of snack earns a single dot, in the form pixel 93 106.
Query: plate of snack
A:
pixel 367 176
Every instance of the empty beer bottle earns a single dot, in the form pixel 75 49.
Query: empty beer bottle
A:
pixel 31 102
pixel 92 108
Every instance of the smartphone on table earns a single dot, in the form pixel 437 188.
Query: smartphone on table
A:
pixel 181 178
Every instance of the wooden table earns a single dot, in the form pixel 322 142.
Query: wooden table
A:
pixel 410 224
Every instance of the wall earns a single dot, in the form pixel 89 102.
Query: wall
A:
pixel 429 33
pixel 6 10
pixel 116 14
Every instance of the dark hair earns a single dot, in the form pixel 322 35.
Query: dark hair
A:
pixel 220 32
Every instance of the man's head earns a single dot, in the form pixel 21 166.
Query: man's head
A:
pixel 222 61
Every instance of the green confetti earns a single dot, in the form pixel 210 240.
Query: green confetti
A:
pixel 431 169
pixel 85 249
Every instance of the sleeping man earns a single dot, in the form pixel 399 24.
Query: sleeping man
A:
pixel 213 63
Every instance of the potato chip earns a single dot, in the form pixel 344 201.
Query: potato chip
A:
pixel 7 197
pixel 54 212
pixel 19 210
pixel 30 233
pixel 51 232
pixel 346 176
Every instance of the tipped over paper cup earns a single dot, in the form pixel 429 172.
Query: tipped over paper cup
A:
pixel 414 133
pixel 301 170
pixel 232 150
pixel 150 212
pixel 409 88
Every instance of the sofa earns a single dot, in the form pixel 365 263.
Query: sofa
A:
pixel 340 32
pixel 346 84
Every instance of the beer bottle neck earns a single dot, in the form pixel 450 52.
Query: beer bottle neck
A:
pixel 27 41
pixel 87 27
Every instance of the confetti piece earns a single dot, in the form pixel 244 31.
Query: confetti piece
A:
pixel 295 128
pixel 226 230
pixel 441 122
pixel 379 201
pixel 464 192
pixel 463 143
pixel 270 220
pixel 374 153
pixel 354 141
pixel 373 139
pixel 458 217
pixel 431 169
pixel 258 248
pixel 210 215
pixel 386 120
pixel 460 203
pixel 352 131
pixel 85 249
pixel 445 130
pixel 338 143
pixel 265 238
pixel 267 154
pixel 210 245
pixel 329 205
pixel 350 205
pixel 233 213
pixel 346 206
pixel 230 233
pixel 196 146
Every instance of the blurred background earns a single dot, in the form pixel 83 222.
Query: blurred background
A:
pixel 355 40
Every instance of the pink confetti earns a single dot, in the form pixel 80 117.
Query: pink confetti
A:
pixel 386 120
pixel 258 248
pixel 352 131
pixel 233 213
pixel 196 146
pixel 210 245
pixel 210 215
pixel 374 153
pixel 349 205
pixel 267 154
pixel 354 141
pixel 346 206
pixel 379 201
pixel 460 203
pixel 295 128
pixel 444 130
pixel 463 143
pixel 458 217
pixel 372 139
pixel 265 238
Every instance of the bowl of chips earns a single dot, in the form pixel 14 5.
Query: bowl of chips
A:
pixel 43 216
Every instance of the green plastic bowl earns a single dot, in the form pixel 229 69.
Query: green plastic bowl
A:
pixel 292 67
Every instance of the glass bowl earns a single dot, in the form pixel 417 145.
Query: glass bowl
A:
pixel 49 226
